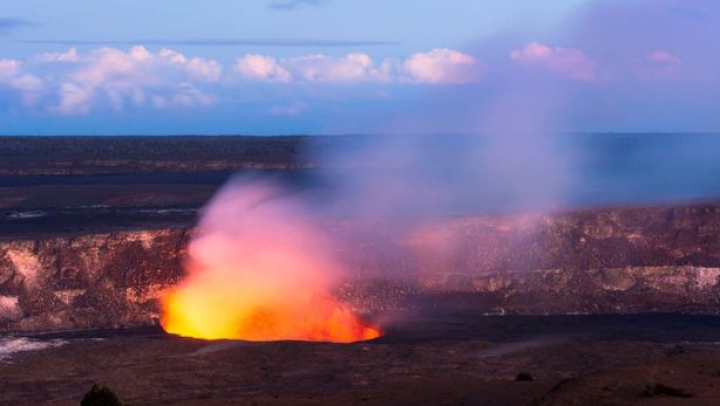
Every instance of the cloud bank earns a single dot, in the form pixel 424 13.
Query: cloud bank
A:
pixel 439 66
pixel 118 80
pixel 443 66
pixel 111 79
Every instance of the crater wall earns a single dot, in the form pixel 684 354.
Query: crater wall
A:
pixel 628 260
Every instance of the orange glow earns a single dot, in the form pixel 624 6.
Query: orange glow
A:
pixel 190 313
pixel 258 272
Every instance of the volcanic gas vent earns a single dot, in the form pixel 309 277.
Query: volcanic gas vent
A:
pixel 259 271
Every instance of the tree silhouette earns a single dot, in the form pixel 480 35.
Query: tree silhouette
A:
pixel 100 396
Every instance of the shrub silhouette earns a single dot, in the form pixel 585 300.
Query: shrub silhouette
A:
pixel 100 396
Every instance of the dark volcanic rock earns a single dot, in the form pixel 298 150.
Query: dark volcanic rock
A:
pixel 112 155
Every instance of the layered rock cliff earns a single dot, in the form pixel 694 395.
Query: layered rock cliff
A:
pixel 590 261
pixel 106 280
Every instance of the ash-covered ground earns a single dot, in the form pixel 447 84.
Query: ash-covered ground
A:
pixel 445 359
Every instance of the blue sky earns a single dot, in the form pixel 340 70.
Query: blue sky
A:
pixel 412 26
pixel 352 66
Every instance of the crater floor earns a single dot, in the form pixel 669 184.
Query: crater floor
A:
pixel 446 359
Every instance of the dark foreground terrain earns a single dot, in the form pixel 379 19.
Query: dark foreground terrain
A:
pixel 449 359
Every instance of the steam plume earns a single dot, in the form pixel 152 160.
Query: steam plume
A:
pixel 258 270
pixel 258 252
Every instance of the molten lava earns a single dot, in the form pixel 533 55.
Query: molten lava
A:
pixel 258 272
pixel 190 313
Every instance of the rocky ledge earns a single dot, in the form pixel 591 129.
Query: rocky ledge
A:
pixel 631 260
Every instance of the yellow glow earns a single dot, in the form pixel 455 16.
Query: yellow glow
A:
pixel 256 271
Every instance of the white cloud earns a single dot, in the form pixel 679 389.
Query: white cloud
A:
pixel 117 79
pixel 443 66
pixel 74 99
pixel 172 56
pixel 79 83
pixel 207 70
pixel 566 62
pixel 354 67
pixel 12 76
pixel 440 66
pixel 203 69
pixel 70 55
pixel 262 68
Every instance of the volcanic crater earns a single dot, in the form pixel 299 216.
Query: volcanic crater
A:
pixel 588 305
